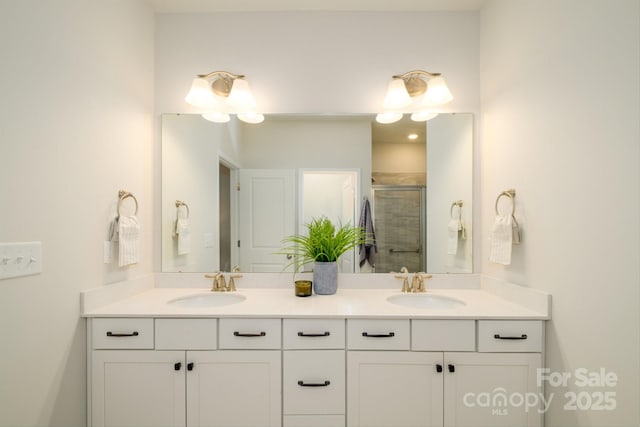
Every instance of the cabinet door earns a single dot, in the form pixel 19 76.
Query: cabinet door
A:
pixel 234 388
pixel 132 388
pixel 394 388
pixel 492 389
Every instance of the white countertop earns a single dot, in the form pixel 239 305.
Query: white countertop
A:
pixel 481 303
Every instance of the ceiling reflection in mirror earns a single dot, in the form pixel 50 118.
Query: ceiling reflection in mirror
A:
pixel 249 186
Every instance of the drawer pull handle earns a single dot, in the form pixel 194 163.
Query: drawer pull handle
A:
pixel 132 334
pixel 324 384
pixel 177 366
pixel 325 334
pixel 190 366
pixel 368 335
pixel 238 334
pixel 521 337
pixel 451 368
pixel 438 368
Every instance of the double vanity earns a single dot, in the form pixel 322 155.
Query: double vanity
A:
pixel 465 353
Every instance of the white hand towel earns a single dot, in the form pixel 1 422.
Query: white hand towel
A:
pixel 128 240
pixel 184 236
pixel 453 229
pixel 501 240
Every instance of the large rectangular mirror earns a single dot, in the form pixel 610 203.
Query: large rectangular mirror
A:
pixel 231 192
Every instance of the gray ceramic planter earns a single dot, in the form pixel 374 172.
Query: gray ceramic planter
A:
pixel 325 278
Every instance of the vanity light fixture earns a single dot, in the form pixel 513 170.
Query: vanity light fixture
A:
pixel 221 93
pixel 419 92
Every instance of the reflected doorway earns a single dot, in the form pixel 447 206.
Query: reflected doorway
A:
pixel 399 214
pixel 224 192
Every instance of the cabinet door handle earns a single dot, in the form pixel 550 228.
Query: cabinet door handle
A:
pixel 521 337
pixel 325 334
pixel 190 366
pixel 177 366
pixel 451 368
pixel 438 368
pixel 368 335
pixel 324 384
pixel 239 334
pixel 132 334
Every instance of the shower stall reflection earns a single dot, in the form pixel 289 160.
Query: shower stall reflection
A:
pixel 399 214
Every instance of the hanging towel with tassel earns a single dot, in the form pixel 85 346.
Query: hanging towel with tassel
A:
pixel 501 240
pixel 128 240
pixel 368 249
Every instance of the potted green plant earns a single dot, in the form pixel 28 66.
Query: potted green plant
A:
pixel 322 245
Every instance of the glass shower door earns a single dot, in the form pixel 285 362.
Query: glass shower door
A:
pixel 399 221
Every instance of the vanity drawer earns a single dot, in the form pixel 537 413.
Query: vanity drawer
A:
pixel 186 334
pixel 443 335
pixel 240 334
pixel 122 333
pixel 510 335
pixel 301 334
pixel 313 421
pixel 377 334
pixel 313 382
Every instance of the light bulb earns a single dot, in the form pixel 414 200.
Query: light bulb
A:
pixel 216 117
pixel 437 92
pixel 200 95
pixel 251 117
pixel 397 96
pixel 423 116
pixel 240 97
pixel 388 117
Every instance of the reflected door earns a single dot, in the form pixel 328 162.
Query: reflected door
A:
pixel 267 216
pixel 399 220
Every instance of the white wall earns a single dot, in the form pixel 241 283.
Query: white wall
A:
pixel 316 62
pixel 560 108
pixel 75 127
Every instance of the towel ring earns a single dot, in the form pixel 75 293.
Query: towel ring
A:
pixel 123 195
pixel 457 203
pixel 511 194
pixel 180 203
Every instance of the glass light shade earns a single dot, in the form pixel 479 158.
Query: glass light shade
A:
pixel 388 117
pixel 216 117
pixel 240 96
pixel 437 92
pixel 397 96
pixel 200 94
pixel 423 116
pixel 251 117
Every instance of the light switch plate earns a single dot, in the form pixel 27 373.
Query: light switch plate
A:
pixel 209 240
pixel 20 259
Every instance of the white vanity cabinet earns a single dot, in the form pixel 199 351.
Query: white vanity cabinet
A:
pixel 314 372
pixel 454 386
pixel 183 379
pixel 313 384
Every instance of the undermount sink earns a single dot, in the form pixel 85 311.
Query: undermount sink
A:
pixel 212 299
pixel 426 301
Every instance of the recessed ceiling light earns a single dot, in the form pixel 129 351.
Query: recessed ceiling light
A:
pixel 413 136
